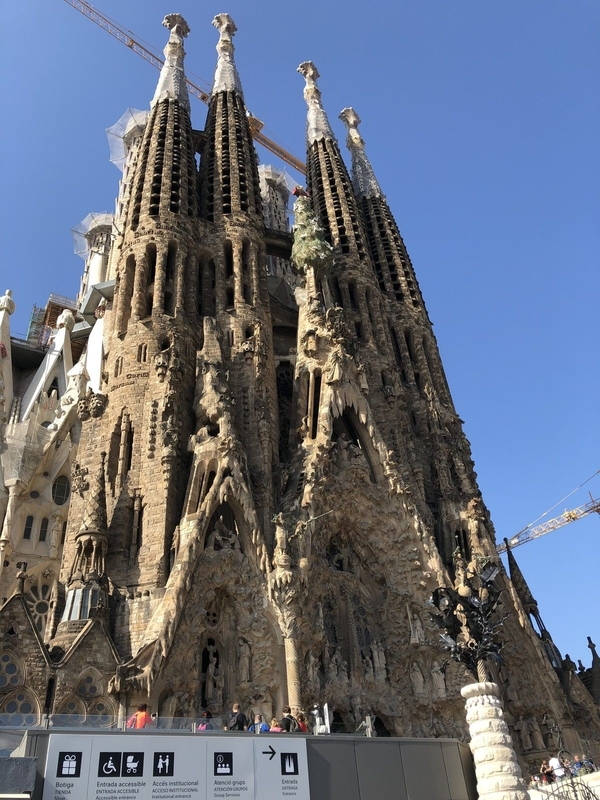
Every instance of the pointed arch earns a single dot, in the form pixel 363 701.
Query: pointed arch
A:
pixel 20 709
pixel 12 668
pixel 70 712
pixel 89 683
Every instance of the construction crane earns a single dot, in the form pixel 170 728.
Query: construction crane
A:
pixel 127 39
pixel 527 534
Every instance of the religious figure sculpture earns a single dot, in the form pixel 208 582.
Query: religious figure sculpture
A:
pixel 243 653
pixel 379 661
pixel 221 538
pixel 522 726
pixel 439 680
pixel 417 632
pixel 417 679
pixel 536 734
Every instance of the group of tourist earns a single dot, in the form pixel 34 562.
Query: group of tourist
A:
pixel 237 721
pixel 554 769
pixel 287 724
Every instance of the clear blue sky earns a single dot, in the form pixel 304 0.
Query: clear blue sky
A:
pixel 482 120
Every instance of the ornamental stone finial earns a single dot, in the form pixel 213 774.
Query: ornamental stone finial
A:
pixel 318 126
pixel 177 25
pixel 7 303
pixel 363 177
pixel 172 83
pixel 226 74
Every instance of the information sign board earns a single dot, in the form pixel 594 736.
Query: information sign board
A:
pixel 137 766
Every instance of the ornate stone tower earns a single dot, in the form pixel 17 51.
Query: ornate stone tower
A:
pixel 269 479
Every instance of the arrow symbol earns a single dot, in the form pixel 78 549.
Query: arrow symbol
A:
pixel 270 752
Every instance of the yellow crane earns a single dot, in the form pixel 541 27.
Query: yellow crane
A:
pixel 128 40
pixel 529 533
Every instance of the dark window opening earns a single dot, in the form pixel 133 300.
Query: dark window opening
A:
pixel 44 529
pixel 314 415
pixel 28 527
pixel 285 389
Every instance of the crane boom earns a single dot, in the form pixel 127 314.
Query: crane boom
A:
pixel 527 534
pixel 128 40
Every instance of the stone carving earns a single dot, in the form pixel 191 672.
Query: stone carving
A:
pixel 66 320
pixel 79 482
pixel 97 403
pixel 438 678
pixel 417 680
pixel 417 632
pixel 379 661
pixel 536 734
pixel 523 728
pixel 243 661
pixel 221 538
pixel 211 674
pixel 7 303
pixel 310 251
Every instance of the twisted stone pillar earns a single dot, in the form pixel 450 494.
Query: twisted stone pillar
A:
pixel 293 673
pixel 496 766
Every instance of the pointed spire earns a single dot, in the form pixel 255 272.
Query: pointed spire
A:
pixel 172 84
pixel 363 177
pixel 95 517
pixel 226 74
pixel 318 126
pixel 524 592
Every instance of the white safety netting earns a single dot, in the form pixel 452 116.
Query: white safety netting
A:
pixel 93 225
pixel 119 135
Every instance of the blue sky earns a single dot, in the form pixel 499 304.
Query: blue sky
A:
pixel 482 120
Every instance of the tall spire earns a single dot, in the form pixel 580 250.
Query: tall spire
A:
pixel 318 126
pixel 226 74
pixel 172 83
pixel 363 177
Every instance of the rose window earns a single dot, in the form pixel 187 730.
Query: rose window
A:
pixel 88 686
pixel 19 710
pixel 10 672
pixel 38 601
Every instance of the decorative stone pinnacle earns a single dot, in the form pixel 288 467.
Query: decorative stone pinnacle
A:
pixel 95 518
pixel 318 126
pixel 177 25
pixel 226 74
pixel 363 176
pixel 172 84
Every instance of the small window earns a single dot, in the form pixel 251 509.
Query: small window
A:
pixel 44 529
pixel 28 528
pixel 60 490
pixel 34 494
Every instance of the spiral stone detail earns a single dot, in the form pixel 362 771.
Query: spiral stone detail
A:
pixel 496 767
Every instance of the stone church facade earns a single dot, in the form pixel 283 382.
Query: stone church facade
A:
pixel 250 480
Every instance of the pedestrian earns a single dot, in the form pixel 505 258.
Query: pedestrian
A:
pixel 275 726
pixel 140 718
pixel 238 720
pixel 557 768
pixel 205 724
pixel 289 723
pixel 258 726
pixel 302 723
pixel 546 772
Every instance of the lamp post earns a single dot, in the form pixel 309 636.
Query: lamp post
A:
pixel 467 614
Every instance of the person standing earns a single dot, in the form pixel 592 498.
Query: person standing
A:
pixel 258 726
pixel 289 723
pixel 238 720
pixel 557 768
pixel 140 718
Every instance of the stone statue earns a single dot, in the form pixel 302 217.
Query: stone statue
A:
pixel 568 670
pixel 417 633
pixel 280 534
pixel 221 538
pixel 379 661
pixel 355 703
pixel 66 320
pixel 368 673
pixel 243 653
pixel 522 726
pixel 335 371
pixel 461 582
pixel 417 679
pixel 536 734
pixel 312 669
pixel 7 303
pixel 439 680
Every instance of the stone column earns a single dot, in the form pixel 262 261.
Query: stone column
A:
pixel 496 767
pixel 293 672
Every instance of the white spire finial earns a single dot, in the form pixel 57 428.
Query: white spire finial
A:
pixel 172 84
pixel 318 126
pixel 363 177
pixel 226 74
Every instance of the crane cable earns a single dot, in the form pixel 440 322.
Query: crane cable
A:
pixel 566 497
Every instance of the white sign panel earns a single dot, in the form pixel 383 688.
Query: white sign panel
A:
pixel 140 766
pixel 230 768
pixel 134 767
pixel 280 767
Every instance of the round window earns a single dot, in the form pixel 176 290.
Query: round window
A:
pixel 60 490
